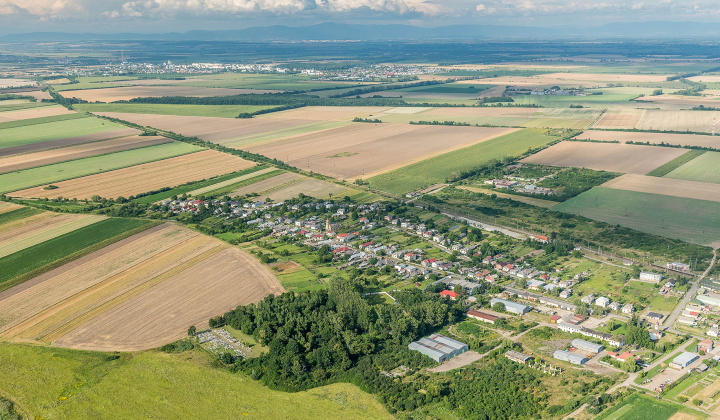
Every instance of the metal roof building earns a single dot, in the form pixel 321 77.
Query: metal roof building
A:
pixel 516 308
pixel 573 358
pixel 438 347
pixel 587 346
pixel 516 356
pixel 684 360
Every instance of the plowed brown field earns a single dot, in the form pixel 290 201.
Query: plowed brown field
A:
pixel 666 186
pixel 624 158
pixel 31 160
pixel 146 177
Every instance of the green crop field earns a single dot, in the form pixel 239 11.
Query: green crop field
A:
pixel 14 181
pixel 293 82
pixel 96 82
pixel 223 111
pixel 92 385
pixel 39 133
pixel 438 169
pixel 675 163
pixel 18 214
pixel 16 106
pixel 638 407
pixel 33 260
pixel 687 219
pixel 704 168
pixel 607 97
pixel 40 120
pixel 465 88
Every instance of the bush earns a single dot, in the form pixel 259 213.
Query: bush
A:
pixel 682 399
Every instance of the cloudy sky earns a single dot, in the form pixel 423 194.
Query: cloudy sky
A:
pixel 182 15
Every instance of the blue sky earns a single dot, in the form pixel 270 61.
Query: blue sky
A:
pixel 183 15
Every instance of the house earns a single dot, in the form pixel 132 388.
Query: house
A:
pixel 713 332
pixel 565 294
pixel 620 357
pixel 628 309
pixel 615 306
pixel 652 277
pixel 438 347
pixel 587 346
pixel 535 284
pixel 512 307
pixel 654 317
pixel 690 314
pixel 540 238
pixel 578 318
pixel 588 299
pixel 482 316
pixel 684 360
pixel 516 356
pixel 573 358
pixel 687 321
pixel 449 293
pixel 706 345
pixel 554 319
pixel 602 302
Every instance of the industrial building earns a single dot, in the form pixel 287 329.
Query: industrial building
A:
pixel 587 346
pixel 482 316
pixel 615 341
pixel 513 307
pixel 684 360
pixel 438 347
pixel 573 358
pixel 516 356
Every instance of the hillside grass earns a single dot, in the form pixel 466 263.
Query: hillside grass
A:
pixel 34 260
pixel 675 163
pixel 50 383
pixel 704 168
pixel 437 169
pixel 27 178
pixel 686 219
pixel 38 133
pixel 222 111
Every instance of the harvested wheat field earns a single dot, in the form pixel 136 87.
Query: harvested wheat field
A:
pixel 325 113
pixel 39 112
pixel 52 144
pixel 212 129
pixel 12 83
pixel 139 293
pixel 267 185
pixel 24 233
pixel 130 92
pixel 654 138
pixel 624 158
pixel 620 118
pixel 31 160
pixel 371 149
pixel 313 188
pixel 681 101
pixel 146 177
pixel 6 207
pixel 666 186
pixel 696 121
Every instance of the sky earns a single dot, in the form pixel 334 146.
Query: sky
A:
pixel 149 16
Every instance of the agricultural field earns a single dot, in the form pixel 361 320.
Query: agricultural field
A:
pixel 690 220
pixel 654 138
pixel 704 168
pixel 666 186
pixel 371 149
pixel 41 133
pixel 126 93
pixel 38 111
pixel 91 165
pixel 678 120
pixel 640 407
pixel 437 169
pixel 326 113
pixel 87 385
pixel 47 157
pixel 142 178
pixel 33 260
pixel 620 118
pixel 153 273
pixel 222 111
pixel 613 157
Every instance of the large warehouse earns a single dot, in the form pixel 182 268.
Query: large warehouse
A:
pixel 438 347
pixel 573 358
pixel 684 360
pixel 513 307
pixel 587 346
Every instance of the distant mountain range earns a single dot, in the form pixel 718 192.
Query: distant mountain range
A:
pixel 347 32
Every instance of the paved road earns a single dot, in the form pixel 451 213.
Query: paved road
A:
pixel 689 295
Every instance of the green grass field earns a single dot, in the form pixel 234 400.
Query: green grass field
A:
pixel 675 163
pixel 16 106
pixel 224 111
pixel 14 181
pixel 704 168
pixel 18 214
pixel 96 82
pixel 18 266
pixel 436 170
pixel 639 407
pixel 290 82
pixel 463 88
pixel 39 133
pixel 40 120
pixel 299 281
pixel 686 219
pixel 56 383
